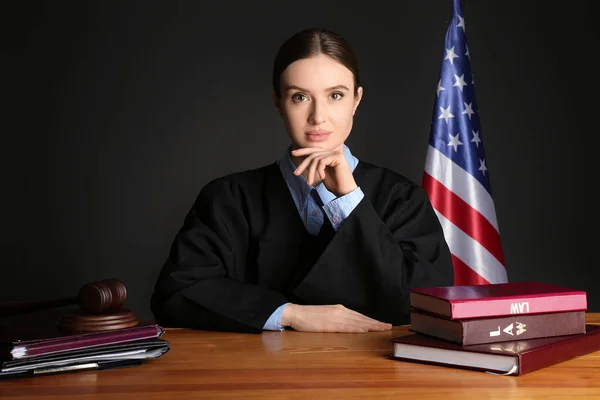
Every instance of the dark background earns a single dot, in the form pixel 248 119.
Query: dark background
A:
pixel 116 113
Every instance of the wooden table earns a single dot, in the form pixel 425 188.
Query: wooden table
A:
pixel 293 365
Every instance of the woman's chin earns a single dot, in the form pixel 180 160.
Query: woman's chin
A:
pixel 328 145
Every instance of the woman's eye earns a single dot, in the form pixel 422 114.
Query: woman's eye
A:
pixel 299 97
pixel 337 96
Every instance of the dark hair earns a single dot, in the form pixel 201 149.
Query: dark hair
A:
pixel 310 42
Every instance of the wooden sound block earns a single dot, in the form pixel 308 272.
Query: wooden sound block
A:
pixel 79 321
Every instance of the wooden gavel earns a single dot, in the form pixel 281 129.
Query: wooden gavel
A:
pixel 94 298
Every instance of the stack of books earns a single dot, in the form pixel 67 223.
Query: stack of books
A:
pixel 34 353
pixel 509 328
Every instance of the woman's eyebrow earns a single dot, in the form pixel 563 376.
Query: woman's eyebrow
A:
pixel 337 87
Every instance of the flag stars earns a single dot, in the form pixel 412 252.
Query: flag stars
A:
pixel 445 114
pixel 460 81
pixel 482 166
pixel 454 142
pixel 467 53
pixel 439 89
pixel 450 55
pixel 461 23
pixel 468 109
pixel 476 138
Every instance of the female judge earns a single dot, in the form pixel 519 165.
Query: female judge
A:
pixel 316 241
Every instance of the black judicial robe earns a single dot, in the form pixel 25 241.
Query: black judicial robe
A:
pixel 243 251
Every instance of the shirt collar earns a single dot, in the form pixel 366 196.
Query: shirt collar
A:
pixel 298 183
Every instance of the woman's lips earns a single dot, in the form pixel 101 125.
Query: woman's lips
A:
pixel 318 135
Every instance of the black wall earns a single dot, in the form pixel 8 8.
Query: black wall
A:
pixel 116 114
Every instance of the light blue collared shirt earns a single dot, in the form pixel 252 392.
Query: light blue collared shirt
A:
pixel 337 209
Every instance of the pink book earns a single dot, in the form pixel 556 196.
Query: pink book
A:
pixel 461 302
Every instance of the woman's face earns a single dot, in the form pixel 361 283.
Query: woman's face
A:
pixel 317 102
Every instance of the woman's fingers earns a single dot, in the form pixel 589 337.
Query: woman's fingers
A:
pixel 363 320
pixel 334 318
pixel 305 163
pixel 315 166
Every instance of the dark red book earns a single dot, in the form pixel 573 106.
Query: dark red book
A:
pixel 498 329
pixel 17 349
pixel 509 358
pixel 501 299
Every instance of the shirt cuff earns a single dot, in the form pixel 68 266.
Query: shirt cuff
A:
pixel 274 321
pixel 339 209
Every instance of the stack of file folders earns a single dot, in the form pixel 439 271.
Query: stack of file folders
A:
pixel 119 348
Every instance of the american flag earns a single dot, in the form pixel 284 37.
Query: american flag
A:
pixel 456 176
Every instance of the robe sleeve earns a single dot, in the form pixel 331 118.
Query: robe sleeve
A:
pixel 201 285
pixel 375 258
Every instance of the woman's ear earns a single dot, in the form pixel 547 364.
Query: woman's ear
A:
pixel 357 98
pixel 277 102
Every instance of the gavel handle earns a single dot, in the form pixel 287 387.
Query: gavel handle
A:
pixel 21 307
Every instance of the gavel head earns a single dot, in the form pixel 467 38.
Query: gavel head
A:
pixel 102 296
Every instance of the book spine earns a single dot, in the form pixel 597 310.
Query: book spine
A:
pixel 521 327
pixel 502 329
pixel 518 306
